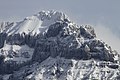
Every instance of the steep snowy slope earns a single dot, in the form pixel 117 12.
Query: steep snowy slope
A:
pixel 35 24
pixel 48 46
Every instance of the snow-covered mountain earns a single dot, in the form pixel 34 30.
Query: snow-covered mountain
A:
pixel 49 46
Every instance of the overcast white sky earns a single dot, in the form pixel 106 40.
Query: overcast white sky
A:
pixel 103 14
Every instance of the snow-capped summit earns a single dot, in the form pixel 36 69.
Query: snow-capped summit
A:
pixel 48 46
pixel 37 23
pixel 54 15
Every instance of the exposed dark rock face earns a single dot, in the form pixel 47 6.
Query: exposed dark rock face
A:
pixel 61 41
pixel 16 39
pixel 21 39
pixel 87 32
pixel 54 29
pixel 2 39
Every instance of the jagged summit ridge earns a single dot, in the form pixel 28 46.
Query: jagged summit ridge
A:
pixel 56 15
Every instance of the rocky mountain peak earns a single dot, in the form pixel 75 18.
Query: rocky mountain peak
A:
pixel 50 37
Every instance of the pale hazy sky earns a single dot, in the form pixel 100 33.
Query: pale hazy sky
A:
pixel 103 14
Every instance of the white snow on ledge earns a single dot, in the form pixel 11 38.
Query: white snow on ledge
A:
pixel 17 53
